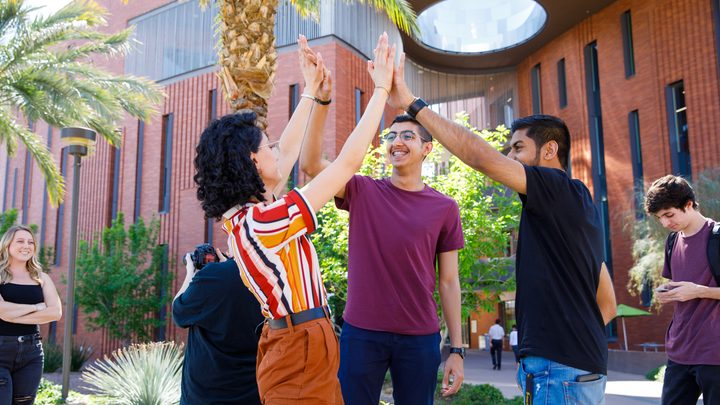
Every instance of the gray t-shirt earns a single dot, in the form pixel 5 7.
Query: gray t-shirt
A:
pixel 692 337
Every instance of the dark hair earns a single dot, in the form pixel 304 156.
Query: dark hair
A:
pixel 424 134
pixel 497 321
pixel 669 192
pixel 543 129
pixel 224 172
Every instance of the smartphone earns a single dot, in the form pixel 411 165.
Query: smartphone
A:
pixel 663 289
pixel 588 377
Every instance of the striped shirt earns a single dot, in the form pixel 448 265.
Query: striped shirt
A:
pixel 277 261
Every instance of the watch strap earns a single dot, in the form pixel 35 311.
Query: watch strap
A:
pixel 415 107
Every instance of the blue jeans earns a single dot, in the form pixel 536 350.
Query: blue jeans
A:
pixel 366 355
pixel 21 365
pixel 554 383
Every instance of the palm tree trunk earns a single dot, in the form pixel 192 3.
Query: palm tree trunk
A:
pixel 248 59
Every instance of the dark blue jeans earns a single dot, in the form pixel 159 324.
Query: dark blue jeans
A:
pixel 21 365
pixel 366 355
pixel 684 384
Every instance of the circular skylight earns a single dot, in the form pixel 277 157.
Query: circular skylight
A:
pixel 471 26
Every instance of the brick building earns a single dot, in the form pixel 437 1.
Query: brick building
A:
pixel 636 82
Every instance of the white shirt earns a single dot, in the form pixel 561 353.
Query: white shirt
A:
pixel 496 332
pixel 513 338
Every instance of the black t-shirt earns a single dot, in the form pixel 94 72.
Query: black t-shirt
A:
pixel 559 256
pixel 20 294
pixel 222 314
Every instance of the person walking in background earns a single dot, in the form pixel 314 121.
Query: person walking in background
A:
pixel 221 316
pixel 692 263
pixel 27 298
pixel 514 343
pixel 239 173
pixel 497 333
pixel 560 270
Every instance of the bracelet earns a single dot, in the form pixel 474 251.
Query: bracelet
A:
pixel 386 90
pixel 317 100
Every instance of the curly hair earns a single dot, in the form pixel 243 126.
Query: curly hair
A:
pixel 224 171
pixel 33 265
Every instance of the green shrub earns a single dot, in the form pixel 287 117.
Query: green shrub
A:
pixel 78 356
pixel 53 357
pixel 49 393
pixel 469 394
pixel 656 374
pixel 146 374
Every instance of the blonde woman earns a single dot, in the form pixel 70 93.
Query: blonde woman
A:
pixel 27 298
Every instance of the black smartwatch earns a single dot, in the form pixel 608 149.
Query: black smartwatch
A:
pixel 458 350
pixel 416 106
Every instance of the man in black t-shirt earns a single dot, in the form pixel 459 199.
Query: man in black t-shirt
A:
pixel 221 314
pixel 564 293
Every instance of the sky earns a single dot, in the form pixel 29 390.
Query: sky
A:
pixel 48 6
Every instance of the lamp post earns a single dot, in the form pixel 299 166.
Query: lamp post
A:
pixel 78 141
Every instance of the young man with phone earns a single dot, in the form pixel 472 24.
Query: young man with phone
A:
pixel 691 342
pixel 561 276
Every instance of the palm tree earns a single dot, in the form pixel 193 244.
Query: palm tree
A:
pixel 46 74
pixel 247 56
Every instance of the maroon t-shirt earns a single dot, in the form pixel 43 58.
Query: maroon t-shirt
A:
pixel 692 337
pixel 395 236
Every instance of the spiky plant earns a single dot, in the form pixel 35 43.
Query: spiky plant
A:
pixel 46 74
pixel 145 374
pixel 247 56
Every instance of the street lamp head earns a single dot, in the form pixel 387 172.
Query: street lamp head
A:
pixel 78 140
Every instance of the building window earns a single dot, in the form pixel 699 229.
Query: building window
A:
pixel 114 177
pixel 43 220
pixel 562 86
pixel 14 193
pixel 535 88
pixel 637 164
pixel 172 40
pixel 212 114
pixel 60 211
pixel 166 163
pixel 597 145
pixel 358 105
pixel 292 105
pixel 27 183
pixel 678 130
pixel 628 53
pixel 139 168
pixel 161 291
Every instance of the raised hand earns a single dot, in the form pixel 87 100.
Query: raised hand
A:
pixel 312 67
pixel 381 67
pixel 400 96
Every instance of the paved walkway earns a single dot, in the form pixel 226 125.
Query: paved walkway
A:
pixel 621 389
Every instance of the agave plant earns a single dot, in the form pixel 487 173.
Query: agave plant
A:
pixel 45 74
pixel 141 374
pixel 247 56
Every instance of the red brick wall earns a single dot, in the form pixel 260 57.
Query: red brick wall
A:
pixel 673 40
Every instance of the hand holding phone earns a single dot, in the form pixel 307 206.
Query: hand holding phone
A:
pixel 663 288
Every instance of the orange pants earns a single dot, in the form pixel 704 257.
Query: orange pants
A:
pixel 299 364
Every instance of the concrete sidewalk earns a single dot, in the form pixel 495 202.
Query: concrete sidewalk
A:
pixel 621 389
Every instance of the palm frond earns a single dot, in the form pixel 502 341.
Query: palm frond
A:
pixel 40 154
pixel 400 13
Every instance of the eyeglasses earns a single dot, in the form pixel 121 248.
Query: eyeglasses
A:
pixel 405 136
pixel 272 145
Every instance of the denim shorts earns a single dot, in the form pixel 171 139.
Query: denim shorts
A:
pixel 554 383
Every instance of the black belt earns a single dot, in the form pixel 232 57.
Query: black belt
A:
pixel 21 339
pixel 300 317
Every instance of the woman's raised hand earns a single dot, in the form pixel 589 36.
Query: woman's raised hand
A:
pixel 381 67
pixel 312 66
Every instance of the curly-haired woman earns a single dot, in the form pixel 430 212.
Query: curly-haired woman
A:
pixel 238 172
pixel 27 298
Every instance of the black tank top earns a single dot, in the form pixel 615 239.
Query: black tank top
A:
pixel 20 294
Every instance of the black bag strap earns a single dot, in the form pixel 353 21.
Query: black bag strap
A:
pixel 669 245
pixel 713 252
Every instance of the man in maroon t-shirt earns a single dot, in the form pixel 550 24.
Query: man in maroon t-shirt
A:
pixel 693 338
pixel 399 229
